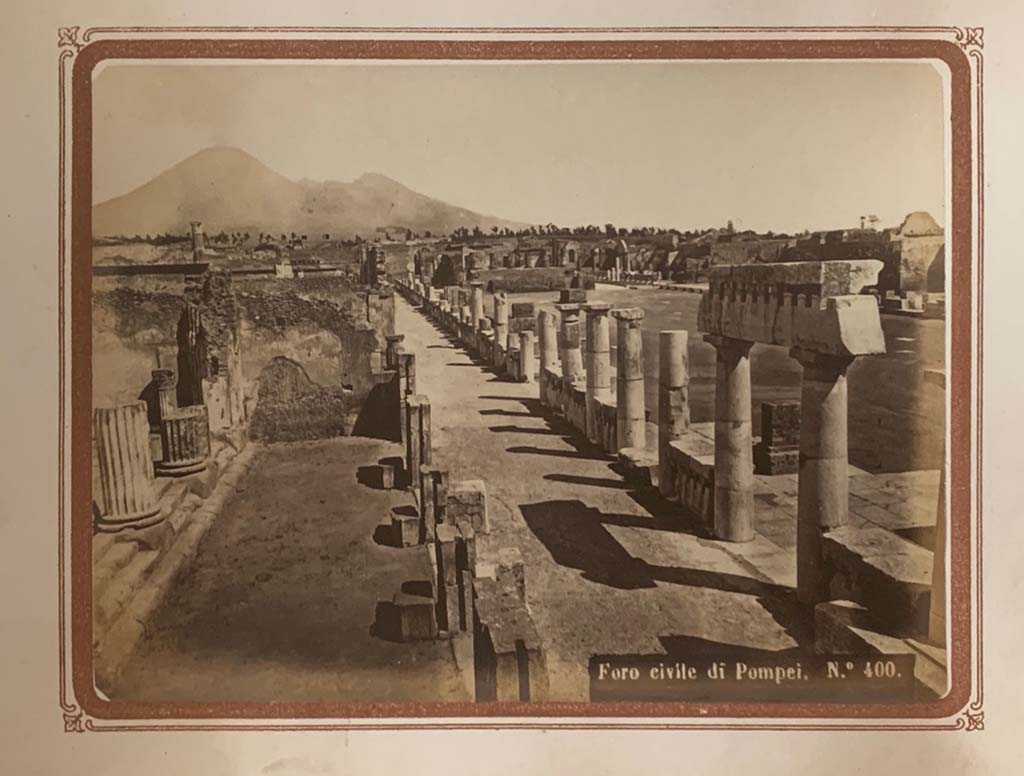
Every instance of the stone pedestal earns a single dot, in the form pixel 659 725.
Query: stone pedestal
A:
pixel 823 492
pixel 184 441
pixel 570 343
pixel 734 465
pixel 526 356
pixel 476 301
pixel 393 348
pixel 778 452
pixel 599 365
pixel 673 401
pixel 126 498
pixel 629 383
pixel 548 340
pixel 500 326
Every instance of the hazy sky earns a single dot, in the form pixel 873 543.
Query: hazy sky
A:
pixel 782 146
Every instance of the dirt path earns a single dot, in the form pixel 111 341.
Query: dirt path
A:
pixel 604 575
pixel 281 598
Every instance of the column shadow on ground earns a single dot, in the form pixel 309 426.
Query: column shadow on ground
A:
pixel 577 537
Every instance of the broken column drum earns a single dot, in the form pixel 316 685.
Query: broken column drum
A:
pixel 185 441
pixel 629 383
pixel 526 356
pixel 673 401
pixel 417 437
pixel 166 385
pixel 548 340
pixel 126 496
pixel 599 366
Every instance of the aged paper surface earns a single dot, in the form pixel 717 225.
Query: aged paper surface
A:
pixel 503 391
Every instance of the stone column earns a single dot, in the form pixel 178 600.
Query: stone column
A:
pixel 629 382
pixel 599 365
pixel 548 341
pixel 476 302
pixel 526 356
pixel 570 343
pixel 394 344
pixel 500 326
pixel 185 441
pixel 166 391
pixel 823 483
pixel 734 458
pixel 126 497
pixel 407 372
pixel 673 401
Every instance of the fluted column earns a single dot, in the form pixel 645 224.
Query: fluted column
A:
pixel 126 497
pixel 734 459
pixel 823 483
pixel 631 429
pixel 673 401
pixel 166 391
pixel 598 361
pixel 185 441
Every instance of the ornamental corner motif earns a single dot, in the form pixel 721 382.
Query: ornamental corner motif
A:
pixel 971 38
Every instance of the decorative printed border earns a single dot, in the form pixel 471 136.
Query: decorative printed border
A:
pixel 80 50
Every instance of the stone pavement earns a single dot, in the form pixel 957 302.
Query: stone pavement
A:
pixel 608 569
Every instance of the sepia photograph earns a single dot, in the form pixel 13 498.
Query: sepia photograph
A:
pixel 488 387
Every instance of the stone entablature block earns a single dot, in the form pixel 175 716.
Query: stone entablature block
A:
pixel 814 305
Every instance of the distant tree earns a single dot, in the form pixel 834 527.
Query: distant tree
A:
pixel 427 234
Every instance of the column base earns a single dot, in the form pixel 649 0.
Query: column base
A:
pixel 145 519
pixel 179 468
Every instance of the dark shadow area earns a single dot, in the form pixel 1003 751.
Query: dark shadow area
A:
pixel 397 463
pixel 507 414
pixel 386 535
pixel 463 363
pixel 379 418
pixel 370 476
pixel 593 482
pixel 439 347
pixel 420 587
pixel 522 430
pixel 385 624
pixel 553 453
pixel 406 510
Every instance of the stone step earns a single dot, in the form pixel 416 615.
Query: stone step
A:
pixel 116 556
pixel 111 601
pixel 846 628
pixel 885 573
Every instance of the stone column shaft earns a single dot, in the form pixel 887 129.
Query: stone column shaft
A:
pixel 823 489
pixel 414 442
pixel 394 345
pixel 500 325
pixel 734 459
pixel 476 303
pixel 673 401
pixel 599 364
pixel 184 441
pixel 547 340
pixel 570 343
pixel 631 429
pixel 167 391
pixel 526 356
pixel 126 498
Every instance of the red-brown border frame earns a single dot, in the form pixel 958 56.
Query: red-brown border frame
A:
pixel 953 54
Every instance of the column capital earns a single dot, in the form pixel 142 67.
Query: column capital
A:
pixel 476 283
pixel 721 343
pixel 824 362
pixel 597 308
pixel 628 315
pixel 568 308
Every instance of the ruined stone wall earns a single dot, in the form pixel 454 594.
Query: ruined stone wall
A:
pixel 133 332
pixel 525 280
pixel 920 261
pixel 748 251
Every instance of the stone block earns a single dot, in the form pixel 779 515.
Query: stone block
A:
pixel 407 528
pixel 467 500
pixel 416 617
pixel 524 310
pixel 780 423
pixel 770 460
pixel 452 609
pixel 572 296
pixel 447 561
pixel 465 547
pixel 387 476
